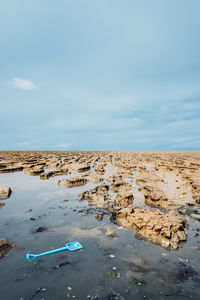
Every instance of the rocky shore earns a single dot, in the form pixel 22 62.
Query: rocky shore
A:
pixel 152 193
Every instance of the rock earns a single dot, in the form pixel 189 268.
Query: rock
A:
pixel 59 171
pixel 82 168
pixel 5 191
pixel 11 169
pixel 93 177
pixel 5 247
pixel 99 216
pixel 124 199
pixel 2 204
pixel 100 170
pixel 153 195
pixel 40 229
pixel 46 175
pixel 73 182
pixel 99 195
pixel 110 232
pixel 120 186
pixel 165 229
pixel 36 170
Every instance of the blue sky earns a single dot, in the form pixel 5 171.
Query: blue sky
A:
pixel 106 74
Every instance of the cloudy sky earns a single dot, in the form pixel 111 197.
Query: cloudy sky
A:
pixel 107 74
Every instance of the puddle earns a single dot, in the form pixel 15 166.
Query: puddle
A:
pixel 149 167
pixel 123 267
pixel 50 169
pixel 135 172
pixel 109 171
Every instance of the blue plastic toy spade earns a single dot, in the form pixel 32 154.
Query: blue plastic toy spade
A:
pixel 73 246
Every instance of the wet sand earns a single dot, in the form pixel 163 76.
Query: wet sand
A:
pixel 147 201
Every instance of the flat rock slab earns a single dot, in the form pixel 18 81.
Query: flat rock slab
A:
pixel 73 182
pixel 5 247
pixel 5 191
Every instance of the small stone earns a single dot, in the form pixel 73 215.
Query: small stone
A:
pixel 164 254
pixel 40 229
pixel 112 256
pixel 99 216
pixel 5 247
pixel 110 232
pixel 5 191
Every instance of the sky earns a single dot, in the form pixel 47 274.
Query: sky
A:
pixel 100 75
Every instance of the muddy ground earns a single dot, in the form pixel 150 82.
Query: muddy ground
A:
pixel 152 195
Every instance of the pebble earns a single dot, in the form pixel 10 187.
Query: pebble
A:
pixel 112 256
pixel 99 216
pixel 110 232
pixel 164 254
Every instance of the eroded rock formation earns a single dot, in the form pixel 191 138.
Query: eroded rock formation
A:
pixel 5 247
pixel 165 229
pixel 5 192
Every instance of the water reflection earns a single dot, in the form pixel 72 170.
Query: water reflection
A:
pixel 122 267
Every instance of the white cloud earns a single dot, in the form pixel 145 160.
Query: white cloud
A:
pixel 136 121
pixel 27 145
pixel 23 144
pixel 22 84
pixel 63 145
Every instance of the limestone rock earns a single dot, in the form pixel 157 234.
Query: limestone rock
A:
pixel 124 199
pixel 94 177
pixel 120 186
pixel 98 195
pixel 5 191
pixel 166 229
pixel 82 168
pixel 73 182
pixel 99 216
pixel 9 169
pixel 110 232
pixel 36 170
pixel 5 247
pixel 153 195
pixel 2 204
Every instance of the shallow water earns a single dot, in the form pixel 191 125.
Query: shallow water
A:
pixel 125 265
